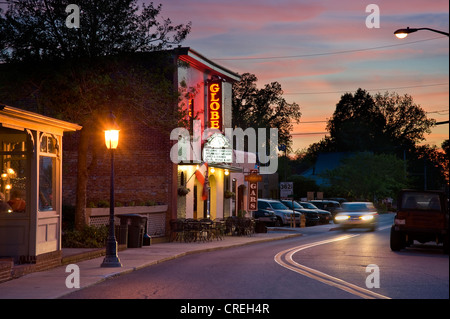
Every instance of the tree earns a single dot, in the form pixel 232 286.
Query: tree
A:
pixel 386 123
pixel 405 123
pixel 83 73
pixel 36 30
pixel 367 176
pixel 263 108
pixel 356 123
pixel 303 185
pixel 428 168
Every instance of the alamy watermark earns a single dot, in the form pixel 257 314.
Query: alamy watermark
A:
pixel 73 19
pixel 73 280
pixel 373 19
pixel 373 279
pixel 188 150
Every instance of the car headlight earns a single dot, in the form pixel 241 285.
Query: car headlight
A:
pixel 342 217
pixel 367 217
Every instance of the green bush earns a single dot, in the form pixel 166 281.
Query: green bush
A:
pixel 88 237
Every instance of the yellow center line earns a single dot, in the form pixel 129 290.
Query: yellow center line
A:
pixel 284 258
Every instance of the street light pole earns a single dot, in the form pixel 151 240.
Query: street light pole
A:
pixel 112 140
pixel 403 33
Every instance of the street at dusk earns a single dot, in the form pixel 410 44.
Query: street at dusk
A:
pixel 225 158
pixel 255 272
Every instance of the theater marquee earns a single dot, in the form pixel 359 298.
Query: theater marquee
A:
pixel 215 104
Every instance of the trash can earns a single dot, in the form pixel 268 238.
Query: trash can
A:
pixel 147 240
pixel 136 225
pixel 260 227
pixel 121 232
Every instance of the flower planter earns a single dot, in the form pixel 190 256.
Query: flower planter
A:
pixel 95 212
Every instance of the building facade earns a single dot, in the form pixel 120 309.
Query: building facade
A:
pixel 148 179
pixel 31 193
pixel 208 183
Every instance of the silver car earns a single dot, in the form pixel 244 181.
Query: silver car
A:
pixel 357 214
pixel 283 213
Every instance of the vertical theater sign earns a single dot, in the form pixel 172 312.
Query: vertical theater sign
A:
pixel 215 104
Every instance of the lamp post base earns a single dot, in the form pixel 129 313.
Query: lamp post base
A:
pixel 111 259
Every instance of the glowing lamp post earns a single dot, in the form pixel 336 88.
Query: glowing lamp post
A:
pixel 403 33
pixel 112 141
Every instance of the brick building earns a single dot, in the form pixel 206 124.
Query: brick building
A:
pixel 144 171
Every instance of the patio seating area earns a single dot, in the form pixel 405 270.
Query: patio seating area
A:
pixel 203 230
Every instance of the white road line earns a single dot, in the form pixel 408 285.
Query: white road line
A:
pixel 284 258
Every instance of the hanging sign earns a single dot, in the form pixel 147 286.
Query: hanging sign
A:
pixel 215 104
pixel 217 149
pixel 253 192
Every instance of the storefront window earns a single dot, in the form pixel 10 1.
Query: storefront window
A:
pixel 49 144
pixel 47 173
pixel 13 166
pixel 46 183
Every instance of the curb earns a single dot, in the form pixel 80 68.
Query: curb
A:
pixel 176 256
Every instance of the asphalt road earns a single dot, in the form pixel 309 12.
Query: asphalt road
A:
pixel 322 264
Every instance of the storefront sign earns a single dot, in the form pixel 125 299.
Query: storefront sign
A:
pixel 191 114
pixel 217 149
pixel 215 105
pixel 253 192
pixel 217 155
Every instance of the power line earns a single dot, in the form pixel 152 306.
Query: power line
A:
pixel 380 89
pixel 310 122
pixel 324 53
pixel 440 112
pixel 309 133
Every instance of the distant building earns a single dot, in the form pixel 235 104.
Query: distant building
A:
pixel 325 162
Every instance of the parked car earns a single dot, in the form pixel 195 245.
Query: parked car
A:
pixel 268 217
pixel 311 216
pixel 357 214
pixel 330 205
pixel 421 216
pixel 324 215
pixel 338 199
pixel 281 211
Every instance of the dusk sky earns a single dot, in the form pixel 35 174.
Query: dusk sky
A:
pixel 318 50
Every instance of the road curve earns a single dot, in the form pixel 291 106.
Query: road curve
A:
pixel 284 259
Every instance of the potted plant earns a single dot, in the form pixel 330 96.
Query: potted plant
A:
pixel 229 194
pixel 183 191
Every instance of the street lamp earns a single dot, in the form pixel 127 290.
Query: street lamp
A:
pixel 112 141
pixel 403 33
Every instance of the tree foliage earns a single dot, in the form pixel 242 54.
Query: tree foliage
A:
pixel 385 123
pixel 36 30
pixel 368 176
pixel 79 74
pixel 263 108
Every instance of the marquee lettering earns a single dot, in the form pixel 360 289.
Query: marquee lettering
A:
pixel 215 105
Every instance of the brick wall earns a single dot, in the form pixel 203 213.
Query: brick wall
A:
pixel 9 270
pixel 6 266
pixel 142 167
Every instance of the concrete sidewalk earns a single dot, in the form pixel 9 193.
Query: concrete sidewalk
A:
pixel 51 284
